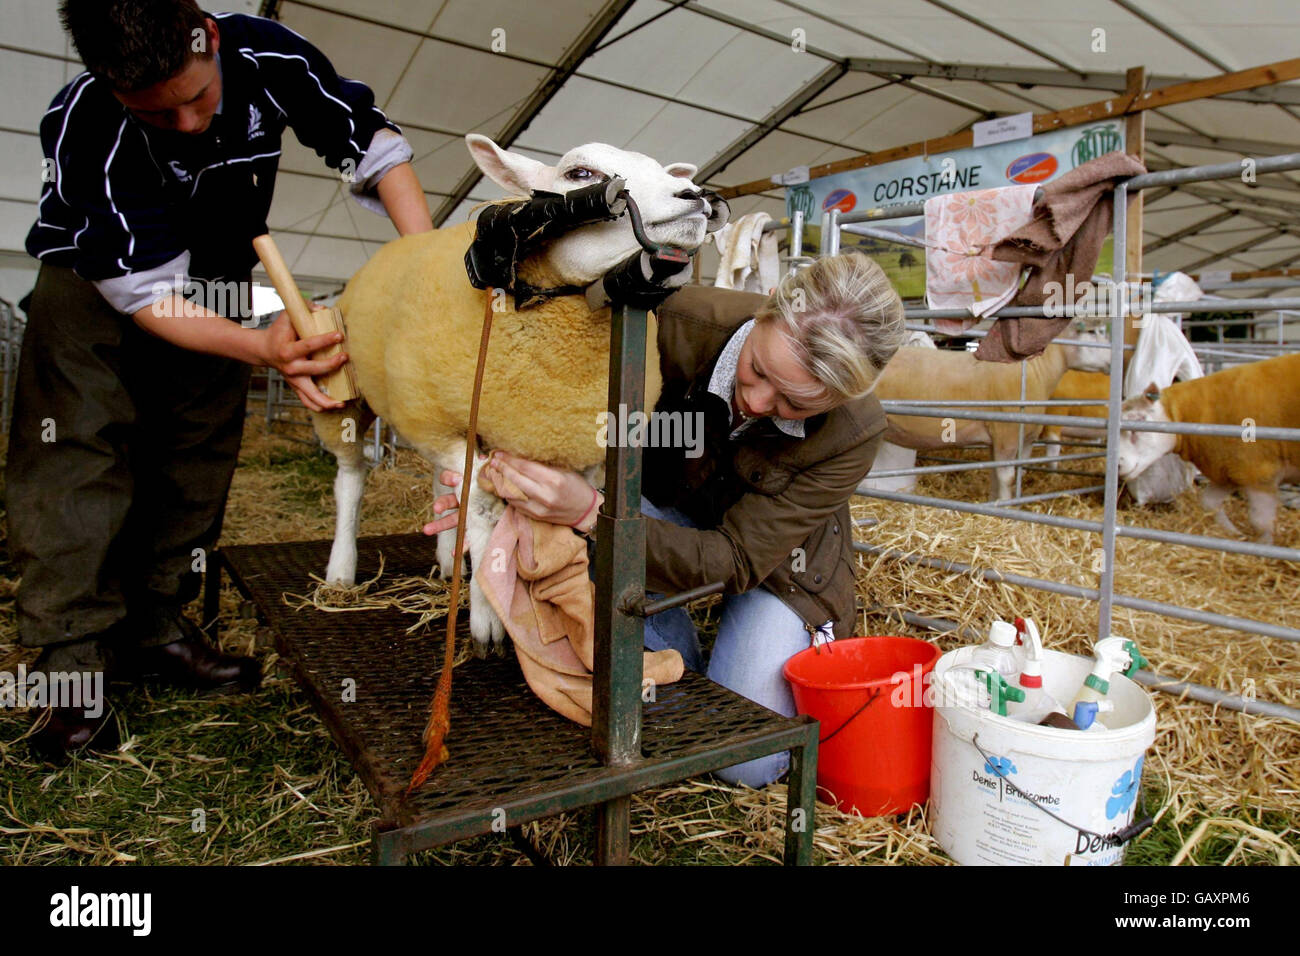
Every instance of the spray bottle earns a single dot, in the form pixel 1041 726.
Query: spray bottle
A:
pixel 977 687
pixel 1000 692
pixel 1111 655
pixel 999 653
pixel 1038 703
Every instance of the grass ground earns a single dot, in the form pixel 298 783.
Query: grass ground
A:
pixel 257 779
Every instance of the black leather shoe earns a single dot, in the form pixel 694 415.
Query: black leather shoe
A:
pixel 192 663
pixel 68 729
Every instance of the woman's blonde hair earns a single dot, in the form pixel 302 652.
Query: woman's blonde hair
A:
pixel 842 319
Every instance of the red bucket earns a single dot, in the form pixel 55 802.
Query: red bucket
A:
pixel 868 693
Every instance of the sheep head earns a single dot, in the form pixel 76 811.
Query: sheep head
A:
pixel 1138 451
pixel 673 209
pixel 1088 358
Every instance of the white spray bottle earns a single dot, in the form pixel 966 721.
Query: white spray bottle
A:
pixel 1038 703
pixel 1111 655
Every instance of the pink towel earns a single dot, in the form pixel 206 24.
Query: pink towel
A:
pixel 536 580
pixel 960 232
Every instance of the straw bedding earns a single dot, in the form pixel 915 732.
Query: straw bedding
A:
pixel 1206 760
pixel 1216 778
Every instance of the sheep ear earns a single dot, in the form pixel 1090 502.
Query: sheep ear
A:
pixel 684 170
pixel 1152 393
pixel 513 172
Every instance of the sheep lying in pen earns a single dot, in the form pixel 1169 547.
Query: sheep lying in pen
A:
pixel 414 321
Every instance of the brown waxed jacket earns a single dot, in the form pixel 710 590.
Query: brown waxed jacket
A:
pixel 774 507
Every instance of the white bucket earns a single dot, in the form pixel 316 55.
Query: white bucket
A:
pixel 1088 779
pixel 888 458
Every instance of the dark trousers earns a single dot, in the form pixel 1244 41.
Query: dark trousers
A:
pixel 121 452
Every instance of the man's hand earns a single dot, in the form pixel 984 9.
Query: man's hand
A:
pixel 192 327
pixel 291 357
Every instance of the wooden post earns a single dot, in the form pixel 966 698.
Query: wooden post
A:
pixel 1134 145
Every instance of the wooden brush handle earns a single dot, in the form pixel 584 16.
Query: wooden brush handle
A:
pixel 282 279
pixel 341 383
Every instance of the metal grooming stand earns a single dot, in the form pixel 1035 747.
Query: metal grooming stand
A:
pixel 513 759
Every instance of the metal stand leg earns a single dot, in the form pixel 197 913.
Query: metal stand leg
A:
pixel 620 581
pixel 386 848
pixel 212 596
pixel 801 802
pixel 613 832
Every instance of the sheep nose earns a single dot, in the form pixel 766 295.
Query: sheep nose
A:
pixel 687 194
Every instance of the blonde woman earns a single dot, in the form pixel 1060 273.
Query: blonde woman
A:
pixel 782 385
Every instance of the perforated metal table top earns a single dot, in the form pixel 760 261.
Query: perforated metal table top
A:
pixel 510 753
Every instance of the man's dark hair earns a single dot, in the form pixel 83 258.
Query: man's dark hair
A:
pixel 134 44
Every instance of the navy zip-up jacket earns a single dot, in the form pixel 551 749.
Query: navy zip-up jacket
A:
pixel 127 197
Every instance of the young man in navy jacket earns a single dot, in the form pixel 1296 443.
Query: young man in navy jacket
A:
pixel 160 166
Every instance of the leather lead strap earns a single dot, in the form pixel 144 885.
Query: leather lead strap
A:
pixel 439 724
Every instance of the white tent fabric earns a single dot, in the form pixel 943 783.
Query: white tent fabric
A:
pixel 743 88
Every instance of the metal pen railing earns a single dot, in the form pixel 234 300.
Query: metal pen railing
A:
pixel 1119 309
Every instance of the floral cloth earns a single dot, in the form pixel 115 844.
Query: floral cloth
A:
pixel 960 232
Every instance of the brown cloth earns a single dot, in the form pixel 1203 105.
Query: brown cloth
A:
pixel 1070 224
pixel 536 579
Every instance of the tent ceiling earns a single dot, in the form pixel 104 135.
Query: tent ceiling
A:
pixel 703 80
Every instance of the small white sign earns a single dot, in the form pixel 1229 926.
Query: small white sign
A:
pixel 1004 129
pixel 792 177
pixel 1215 278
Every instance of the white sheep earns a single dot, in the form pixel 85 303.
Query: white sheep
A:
pixel 891 457
pixel 413 325
pixel 932 377
pixel 1257 395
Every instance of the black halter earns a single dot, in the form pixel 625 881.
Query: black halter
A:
pixel 507 232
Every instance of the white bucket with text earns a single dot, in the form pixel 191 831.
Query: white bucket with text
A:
pixel 987 808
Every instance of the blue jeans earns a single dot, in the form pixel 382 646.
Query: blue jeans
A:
pixel 757 634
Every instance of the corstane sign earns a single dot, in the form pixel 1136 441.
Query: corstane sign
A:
pixel 1033 161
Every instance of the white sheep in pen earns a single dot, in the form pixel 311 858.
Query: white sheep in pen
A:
pixel 932 377
pixel 414 321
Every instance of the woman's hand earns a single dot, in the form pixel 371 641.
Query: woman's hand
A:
pixel 549 494
pixel 449 503
pixel 553 495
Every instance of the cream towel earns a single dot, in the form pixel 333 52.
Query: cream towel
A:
pixel 749 260
pixel 960 231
